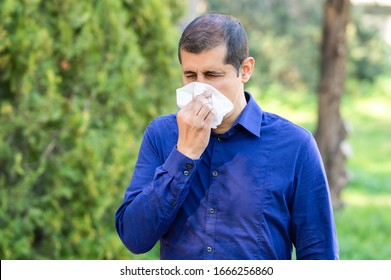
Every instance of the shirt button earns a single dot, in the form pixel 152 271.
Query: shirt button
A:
pixel 174 203
pixel 212 211
pixel 186 172
pixel 215 173
pixel 209 249
pixel 219 139
pixel 189 166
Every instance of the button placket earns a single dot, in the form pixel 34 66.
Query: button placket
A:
pixel 213 196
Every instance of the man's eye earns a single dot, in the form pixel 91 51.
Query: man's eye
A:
pixel 212 76
pixel 191 76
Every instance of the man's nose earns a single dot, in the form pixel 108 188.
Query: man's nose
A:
pixel 200 79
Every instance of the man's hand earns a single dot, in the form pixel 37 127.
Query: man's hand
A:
pixel 194 123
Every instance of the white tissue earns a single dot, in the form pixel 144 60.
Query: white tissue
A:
pixel 220 103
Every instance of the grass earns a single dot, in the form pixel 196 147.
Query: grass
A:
pixel 365 223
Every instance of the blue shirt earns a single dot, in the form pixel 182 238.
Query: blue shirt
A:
pixel 256 191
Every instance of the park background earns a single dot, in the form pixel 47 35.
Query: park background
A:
pixel 81 79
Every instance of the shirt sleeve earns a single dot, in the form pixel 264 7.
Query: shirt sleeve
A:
pixel 156 192
pixel 313 227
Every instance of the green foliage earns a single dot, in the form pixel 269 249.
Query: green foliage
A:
pixel 368 55
pixel 74 79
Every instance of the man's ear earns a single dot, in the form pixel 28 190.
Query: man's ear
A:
pixel 247 69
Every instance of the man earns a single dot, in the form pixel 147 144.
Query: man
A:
pixel 250 189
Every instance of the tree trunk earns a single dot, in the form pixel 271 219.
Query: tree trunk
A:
pixel 331 131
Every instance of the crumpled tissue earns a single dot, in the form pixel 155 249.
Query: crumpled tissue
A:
pixel 221 104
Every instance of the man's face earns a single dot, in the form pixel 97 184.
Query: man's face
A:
pixel 208 67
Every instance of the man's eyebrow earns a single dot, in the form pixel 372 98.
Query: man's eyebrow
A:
pixel 188 72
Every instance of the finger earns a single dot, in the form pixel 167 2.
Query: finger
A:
pixel 210 117
pixel 199 102
pixel 204 110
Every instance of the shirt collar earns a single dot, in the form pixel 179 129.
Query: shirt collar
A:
pixel 251 116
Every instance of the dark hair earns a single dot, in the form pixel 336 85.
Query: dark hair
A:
pixel 209 31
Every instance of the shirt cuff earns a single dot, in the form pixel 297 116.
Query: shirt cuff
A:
pixel 181 166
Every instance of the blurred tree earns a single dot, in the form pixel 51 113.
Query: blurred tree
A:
pixel 79 81
pixel 331 132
